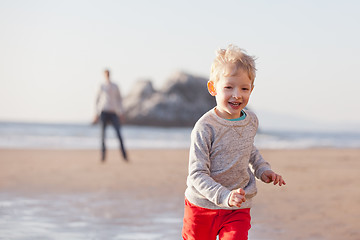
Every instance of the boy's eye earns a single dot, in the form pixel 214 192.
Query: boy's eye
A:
pixel 228 87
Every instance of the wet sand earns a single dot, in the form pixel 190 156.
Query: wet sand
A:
pixel 320 201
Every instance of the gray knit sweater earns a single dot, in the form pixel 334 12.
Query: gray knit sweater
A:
pixel 221 154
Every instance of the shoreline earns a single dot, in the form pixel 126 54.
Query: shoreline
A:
pixel 320 200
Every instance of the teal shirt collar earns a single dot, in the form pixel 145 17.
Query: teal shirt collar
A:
pixel 243 116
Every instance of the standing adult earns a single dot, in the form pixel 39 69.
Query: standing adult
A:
pixel 109 111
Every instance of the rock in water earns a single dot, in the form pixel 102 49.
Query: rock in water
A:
pixel 180 102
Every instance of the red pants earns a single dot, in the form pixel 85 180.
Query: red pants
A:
pixel 206 224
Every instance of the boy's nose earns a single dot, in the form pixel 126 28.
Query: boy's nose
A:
pixel 237 97
pixel 236 94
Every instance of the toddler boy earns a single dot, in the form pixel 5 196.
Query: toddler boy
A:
pixel 220 184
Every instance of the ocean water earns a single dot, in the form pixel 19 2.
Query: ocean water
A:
pixel 87 216
pixel 85 136
pixel 93 216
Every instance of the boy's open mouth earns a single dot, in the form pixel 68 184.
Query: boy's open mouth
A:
pixel 234 103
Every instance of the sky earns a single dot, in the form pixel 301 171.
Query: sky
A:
pixel 53 53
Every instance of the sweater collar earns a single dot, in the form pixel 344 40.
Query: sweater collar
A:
pixel 226 122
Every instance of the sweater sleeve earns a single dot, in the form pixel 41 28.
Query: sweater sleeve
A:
pixel 97 101
pixel 256 160
pixel 199 169
pixel 258 163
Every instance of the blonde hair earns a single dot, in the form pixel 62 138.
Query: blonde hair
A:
pixel 229 61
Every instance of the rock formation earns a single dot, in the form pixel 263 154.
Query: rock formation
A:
pixel 180 102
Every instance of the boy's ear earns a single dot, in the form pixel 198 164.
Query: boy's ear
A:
pixel 211 88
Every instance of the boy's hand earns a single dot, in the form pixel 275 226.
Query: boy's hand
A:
pixel 269 176
pixel 237 197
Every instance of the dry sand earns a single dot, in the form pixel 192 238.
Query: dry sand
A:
pixel 320 201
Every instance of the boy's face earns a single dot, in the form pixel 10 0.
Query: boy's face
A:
pixel 232 94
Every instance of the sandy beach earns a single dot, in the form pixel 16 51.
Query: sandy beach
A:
pixel 320 201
